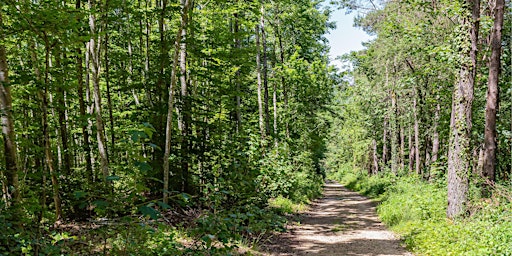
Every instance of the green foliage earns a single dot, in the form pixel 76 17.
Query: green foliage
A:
pixel 286 206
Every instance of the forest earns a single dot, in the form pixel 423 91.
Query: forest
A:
pixel 195 127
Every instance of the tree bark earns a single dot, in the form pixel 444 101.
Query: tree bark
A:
pixel 490 135
pixel 265 69
pixel 417 158
pixel 46 136
pixel 107 83
pixel 186 107
pixel 385 141
pixel 435 137
pixel 94 51
pixel 459 154
pixel 10 151
pixel 258 75
pixel 170 103
pixel 411 152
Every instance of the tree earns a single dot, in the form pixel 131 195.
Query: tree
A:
pixel 11 187
pixel 490 136
pixel 459 154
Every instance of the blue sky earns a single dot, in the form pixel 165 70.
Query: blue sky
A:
pixel 345 38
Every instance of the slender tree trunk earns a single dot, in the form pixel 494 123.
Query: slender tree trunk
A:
pixel 283 82
pixel 94 51
pixel 238 101
pixel 186 108
pixel 11 167
pixel 490 136
pixel 402 146
pixel 411 152
pixel 258 75
pixel 170 103
pixel 107 83
pixel 61 112
pixel 265 69
pixel 435 137
pixel 46 136
pixel 393 129
pixel 83 117
pixel 416 135
pixel 385 132
pixel 459 154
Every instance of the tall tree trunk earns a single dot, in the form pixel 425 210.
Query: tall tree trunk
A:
pixel 107 83
pixel 61 112
pixel 186 108
pixel 402 146
pixel 11 167
pixel 170 103
pixel 411 152
pixel 385 132
pixel 490 136
pixel 265 69
pixel 435 137
pixel 94 51
pixel 46 136
pixel 283 82
pixel 416 134
pixel 459 154
pixel 238 101
pixel 83 117
pixel 258 75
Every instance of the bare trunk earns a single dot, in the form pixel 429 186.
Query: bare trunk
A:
pixel 8 134
pixel 170 103
pixel 490 136
pixel 107 83
pixel 46 136
pixel 238 89
pixel 459 154
pixel 393 134
pixel 94 51
pixel 265 69
pixel 402 147
pixel 416 135
pixel 283 84
pixel 385 141
pixel 435 137
pixel 186 108
pixel 61 112
pixel 258 74
pixel 411 152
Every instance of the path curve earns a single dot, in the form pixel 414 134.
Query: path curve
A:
pixel 341 223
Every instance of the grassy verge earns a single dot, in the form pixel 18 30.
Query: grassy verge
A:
pixel 416 211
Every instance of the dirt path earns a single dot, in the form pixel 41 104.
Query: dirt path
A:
pixel 341 223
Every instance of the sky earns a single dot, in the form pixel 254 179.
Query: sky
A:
pixel 345 38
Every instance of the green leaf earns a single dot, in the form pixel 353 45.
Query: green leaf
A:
pixel 143 166
pixel 112 178
pixel 79 194
pixel 149 211
pixel 164 205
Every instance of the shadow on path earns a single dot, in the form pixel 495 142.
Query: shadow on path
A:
pixel 341 223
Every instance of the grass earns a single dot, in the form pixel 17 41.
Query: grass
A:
pixel 284 205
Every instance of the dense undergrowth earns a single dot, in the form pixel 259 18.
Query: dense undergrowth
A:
pixel 214 224
pixel 416 210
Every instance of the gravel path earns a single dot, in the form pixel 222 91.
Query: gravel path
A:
pixel 341 223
